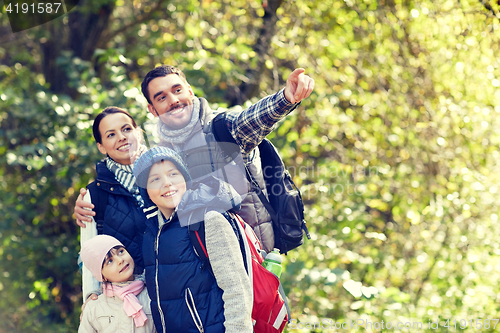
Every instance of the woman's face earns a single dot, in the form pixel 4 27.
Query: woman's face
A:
pixel 120 140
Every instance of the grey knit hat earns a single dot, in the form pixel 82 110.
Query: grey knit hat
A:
pixel 154 155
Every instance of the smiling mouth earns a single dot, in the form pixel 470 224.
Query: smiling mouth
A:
pixel 125 268
pixel 169 194
pixel 124 147
pixel 177 110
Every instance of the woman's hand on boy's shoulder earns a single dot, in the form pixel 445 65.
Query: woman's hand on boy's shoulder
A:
pixel 83 209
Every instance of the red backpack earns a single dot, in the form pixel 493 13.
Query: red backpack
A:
pixel 270 311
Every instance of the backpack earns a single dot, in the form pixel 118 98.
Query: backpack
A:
pixel 285 203
pixel 270 311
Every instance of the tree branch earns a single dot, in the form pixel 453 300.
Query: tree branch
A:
pixel 140 19
pixel 489 8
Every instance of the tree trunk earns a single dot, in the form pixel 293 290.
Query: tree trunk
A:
pixel 246 90
pixel 80 36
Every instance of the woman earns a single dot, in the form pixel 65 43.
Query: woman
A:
pixel 114 195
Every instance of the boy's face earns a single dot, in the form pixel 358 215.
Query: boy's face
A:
pixel 119 267
pixel 166 186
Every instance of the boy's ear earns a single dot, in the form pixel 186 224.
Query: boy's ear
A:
pixel 152 110
pixel 101 148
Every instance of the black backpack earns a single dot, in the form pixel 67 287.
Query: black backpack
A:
pixel 285 203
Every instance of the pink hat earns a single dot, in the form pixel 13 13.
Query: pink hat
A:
pixel 94 251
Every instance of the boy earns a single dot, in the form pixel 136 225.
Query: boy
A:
pixel 185 298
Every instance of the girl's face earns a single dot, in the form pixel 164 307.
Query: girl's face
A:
pixel 120 140
pixel 166 186
pixel 119 267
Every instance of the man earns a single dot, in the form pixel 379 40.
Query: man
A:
pixel 182 126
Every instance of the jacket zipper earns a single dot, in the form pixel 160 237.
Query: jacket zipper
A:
pixel 157 245
pixel 192 309
pixel 157 241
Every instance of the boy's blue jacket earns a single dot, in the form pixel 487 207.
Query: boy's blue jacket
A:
pixel 181 291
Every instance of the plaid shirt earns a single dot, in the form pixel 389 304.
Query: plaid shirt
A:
pixel 250 126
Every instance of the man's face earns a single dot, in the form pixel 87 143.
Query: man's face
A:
pixel 172 100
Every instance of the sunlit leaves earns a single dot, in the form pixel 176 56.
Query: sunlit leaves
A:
pixel 412 94
pixel 396 151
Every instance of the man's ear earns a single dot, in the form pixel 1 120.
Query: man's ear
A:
pixel 152 109
pixel 101 148
pixel 190 90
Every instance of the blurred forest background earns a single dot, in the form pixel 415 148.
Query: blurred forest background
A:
pixel 396 151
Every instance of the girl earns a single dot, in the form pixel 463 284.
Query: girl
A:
pixel 184 297
pixel 114 194
pixel 124 304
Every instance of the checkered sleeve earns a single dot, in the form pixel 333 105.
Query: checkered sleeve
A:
pixel 250 126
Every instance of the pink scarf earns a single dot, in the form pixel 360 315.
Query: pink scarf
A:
pixel 131 304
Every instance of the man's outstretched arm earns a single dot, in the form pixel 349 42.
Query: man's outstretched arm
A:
pixel 250 126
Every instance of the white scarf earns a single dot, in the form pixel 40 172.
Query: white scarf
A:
pixel 124 175
pixel 177 137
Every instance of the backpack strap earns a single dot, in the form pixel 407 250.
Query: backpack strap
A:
pixel 217 134
pixel 197 235
pixel 233 221
pixel 285 299
pixel 221 134
pixel 261 195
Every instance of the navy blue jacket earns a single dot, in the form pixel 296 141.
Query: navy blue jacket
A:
pixel 118 213
pixel 184 297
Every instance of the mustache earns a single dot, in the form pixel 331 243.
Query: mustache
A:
pixel 178 106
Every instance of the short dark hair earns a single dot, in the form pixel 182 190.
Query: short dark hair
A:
pixel 106 112
pixel 159 71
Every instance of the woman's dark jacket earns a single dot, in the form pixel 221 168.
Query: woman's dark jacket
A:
pixel 118 213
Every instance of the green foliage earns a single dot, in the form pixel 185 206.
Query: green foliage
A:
pixel 47 153
pixel 395 151
pixel 407 117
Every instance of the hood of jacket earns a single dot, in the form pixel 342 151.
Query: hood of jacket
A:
pixel 211 194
